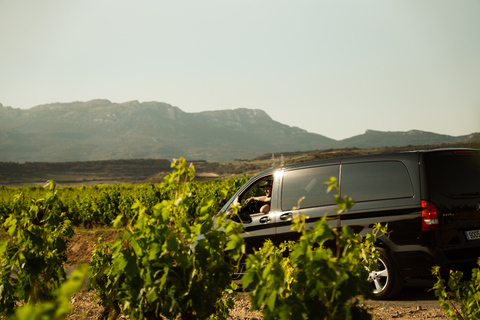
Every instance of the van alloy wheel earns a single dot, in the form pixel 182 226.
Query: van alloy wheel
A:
pixel 379 277
pixel 385 280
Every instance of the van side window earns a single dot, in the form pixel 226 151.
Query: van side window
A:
pixel 375 181
pixel 308 183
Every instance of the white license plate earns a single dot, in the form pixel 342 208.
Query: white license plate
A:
pixel 473 234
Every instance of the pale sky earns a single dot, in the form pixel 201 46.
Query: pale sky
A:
pixel 336 67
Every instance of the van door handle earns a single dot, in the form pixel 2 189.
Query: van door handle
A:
pixel 264 219
pixel 286 216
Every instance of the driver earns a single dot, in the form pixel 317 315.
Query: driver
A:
pixel 259 204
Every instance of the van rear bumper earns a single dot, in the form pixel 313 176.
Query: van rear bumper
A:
pixel 420 263
pixel 462 259
pixel 413 263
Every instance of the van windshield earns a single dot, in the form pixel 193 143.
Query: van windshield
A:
pixel 455 175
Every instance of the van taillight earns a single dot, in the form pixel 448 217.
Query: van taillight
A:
pixel 429 216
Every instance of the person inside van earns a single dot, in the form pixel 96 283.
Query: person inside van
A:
pixel 260 204
pixel 263 201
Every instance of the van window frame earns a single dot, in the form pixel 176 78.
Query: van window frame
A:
pixel 256 184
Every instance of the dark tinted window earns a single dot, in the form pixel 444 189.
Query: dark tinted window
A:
pixel 455 175
pixel 376 181
pixel 308 183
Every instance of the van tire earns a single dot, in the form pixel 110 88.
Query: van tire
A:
pixel 386 281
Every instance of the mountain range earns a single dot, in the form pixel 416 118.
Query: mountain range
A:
pixel 102 130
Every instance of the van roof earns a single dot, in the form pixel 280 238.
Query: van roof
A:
pixel 366 157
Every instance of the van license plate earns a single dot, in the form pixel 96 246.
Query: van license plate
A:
pixel 473 234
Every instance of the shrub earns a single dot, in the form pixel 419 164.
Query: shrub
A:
pixel 34 253
pixel 59 307
pixel 165 264
pixel 459 299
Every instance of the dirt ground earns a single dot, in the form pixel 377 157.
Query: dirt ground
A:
pixel 415 302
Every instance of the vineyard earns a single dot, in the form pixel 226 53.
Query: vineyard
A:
pixel 99 205
pixel 175 258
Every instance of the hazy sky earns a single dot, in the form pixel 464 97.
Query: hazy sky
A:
pixel 331 67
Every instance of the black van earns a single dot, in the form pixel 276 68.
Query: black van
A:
pixel 430 200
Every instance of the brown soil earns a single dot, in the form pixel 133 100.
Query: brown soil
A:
pixel 80 247
pixel 84 307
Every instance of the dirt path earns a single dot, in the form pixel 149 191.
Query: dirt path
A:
pixel 414 302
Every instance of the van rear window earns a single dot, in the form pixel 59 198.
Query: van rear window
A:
pixel 376 181
pixel 456 175
pixel 308 183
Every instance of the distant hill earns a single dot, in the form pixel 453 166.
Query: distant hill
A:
pixel 102 130
pixel 378 139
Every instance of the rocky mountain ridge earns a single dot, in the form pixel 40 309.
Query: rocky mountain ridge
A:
pixel 102 130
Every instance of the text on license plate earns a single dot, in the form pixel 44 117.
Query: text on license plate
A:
pixel 472 234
